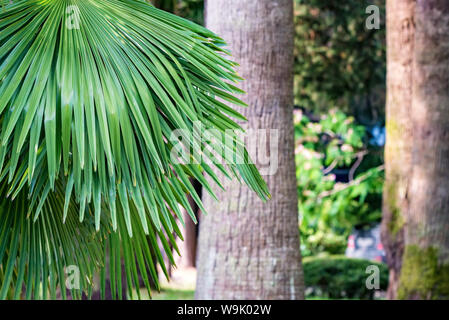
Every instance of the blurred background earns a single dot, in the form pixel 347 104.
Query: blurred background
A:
pixel 339 118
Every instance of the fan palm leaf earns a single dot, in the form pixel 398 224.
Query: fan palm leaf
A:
pixel 90 94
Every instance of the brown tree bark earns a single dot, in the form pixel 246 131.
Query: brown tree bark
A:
pixel 249 249
pixel 398 162
pixel 425 267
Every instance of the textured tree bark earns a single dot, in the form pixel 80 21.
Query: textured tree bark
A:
pixel 249 249
pixel 425 268
pixel 398 162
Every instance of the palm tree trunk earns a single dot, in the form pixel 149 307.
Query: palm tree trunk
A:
pixel 425 267
pixel 249 249
pixel 398 162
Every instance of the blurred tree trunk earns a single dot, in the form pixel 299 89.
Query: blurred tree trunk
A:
pixel 398 162
pixel 425 266
pixel 249 249
pixel 188 247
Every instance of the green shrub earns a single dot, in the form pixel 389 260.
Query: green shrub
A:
pixel 340 277
pixel 329 209
pixel 338 62
pixel 190 9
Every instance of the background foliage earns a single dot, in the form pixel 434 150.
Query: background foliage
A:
pixel 335 192
pixel 189 9
pixel 338 62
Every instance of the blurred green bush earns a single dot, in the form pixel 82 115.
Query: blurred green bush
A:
pixel 336 190
pixel 189 9
pixel 338 62
pixel 338 277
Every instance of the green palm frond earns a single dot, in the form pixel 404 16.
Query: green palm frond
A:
pixel 87 109
pixel 34 255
